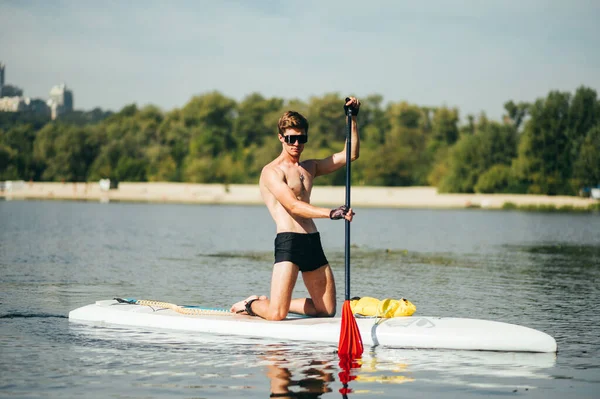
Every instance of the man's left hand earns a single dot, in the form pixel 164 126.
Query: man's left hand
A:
pixel 342 212
pixel 353 104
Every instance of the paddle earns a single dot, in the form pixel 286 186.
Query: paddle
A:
pixel 350 343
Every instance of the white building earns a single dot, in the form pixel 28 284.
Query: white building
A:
pixel 13 104
pixel 23 104
pixel 61 100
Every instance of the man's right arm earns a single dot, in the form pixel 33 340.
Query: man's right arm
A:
pixel 273 181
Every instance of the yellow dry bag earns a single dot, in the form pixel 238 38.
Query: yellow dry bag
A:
pixel 367 306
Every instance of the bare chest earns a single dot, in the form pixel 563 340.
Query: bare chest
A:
pixel 300 181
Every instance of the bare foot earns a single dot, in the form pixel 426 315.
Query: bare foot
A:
pixel 240 307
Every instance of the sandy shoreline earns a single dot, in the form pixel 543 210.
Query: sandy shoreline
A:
pixel 392 197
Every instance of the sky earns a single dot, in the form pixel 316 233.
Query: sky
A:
pixel 471 54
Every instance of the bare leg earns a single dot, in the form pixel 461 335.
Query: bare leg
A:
pixel 285 275
pixel 283 280
pixel 321 287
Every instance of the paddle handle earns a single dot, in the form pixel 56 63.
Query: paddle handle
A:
pixel 348 176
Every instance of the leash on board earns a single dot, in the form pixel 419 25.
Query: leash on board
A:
pixel 187 310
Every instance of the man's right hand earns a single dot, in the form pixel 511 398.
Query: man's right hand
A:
pixel 342 212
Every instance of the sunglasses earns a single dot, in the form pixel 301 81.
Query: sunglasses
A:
pixel 292 138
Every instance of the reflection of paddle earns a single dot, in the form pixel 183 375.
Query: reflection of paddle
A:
pixel 347 363
pixel 350 344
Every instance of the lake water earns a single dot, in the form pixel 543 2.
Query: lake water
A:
pixel 540 270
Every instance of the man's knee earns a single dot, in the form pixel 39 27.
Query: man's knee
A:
pixel 276 315
pixel 326 313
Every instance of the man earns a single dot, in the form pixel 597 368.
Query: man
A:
pixel 285 185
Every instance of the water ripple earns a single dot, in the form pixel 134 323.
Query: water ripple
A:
pixel 515 267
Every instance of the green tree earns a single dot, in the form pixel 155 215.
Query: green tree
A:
pixel 17 141
pixel 8 170
pixel 584 114
pixel 587 165
pixel 326 121
pixel 493 145
pixel 373 123
pixel 161 166
pixel 105 163
pixel 175 136
pixel 64 151
pixel 210 119
pixel 516 113
pixel 465 164
pixel 83 118
pixel 388 166
pixel 497 179
pixel 257 119
pixel 123 139
pixel 407 137
pixel 444 127
pixel 543 163
pixel 214 139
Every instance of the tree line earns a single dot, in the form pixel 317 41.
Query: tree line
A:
pixel 550 146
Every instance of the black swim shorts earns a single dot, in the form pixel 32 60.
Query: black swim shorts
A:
pixel 303 250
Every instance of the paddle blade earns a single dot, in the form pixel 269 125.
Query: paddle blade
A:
pixel 350 343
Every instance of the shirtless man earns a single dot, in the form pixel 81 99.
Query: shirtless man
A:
pixel 285 185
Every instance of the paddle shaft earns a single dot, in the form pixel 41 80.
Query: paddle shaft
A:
pixel 348 175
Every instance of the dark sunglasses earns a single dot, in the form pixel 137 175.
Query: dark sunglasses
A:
pixel 292 138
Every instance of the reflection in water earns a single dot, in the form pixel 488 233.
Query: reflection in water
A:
pixel 296 370
pixel 296 375
pixel 309 379
pixel 395 371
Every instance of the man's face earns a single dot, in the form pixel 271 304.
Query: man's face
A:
pixel 293 140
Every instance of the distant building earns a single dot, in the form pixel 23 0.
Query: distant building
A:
pixel 61 100
pixel 13 104
pixel 12 99
pixel 7 90
pixel 24 104
pixel 37 106
pixel 1 76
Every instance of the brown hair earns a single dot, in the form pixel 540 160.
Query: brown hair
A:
pixel 292 120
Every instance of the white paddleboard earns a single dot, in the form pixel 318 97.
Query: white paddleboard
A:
pixel 419 332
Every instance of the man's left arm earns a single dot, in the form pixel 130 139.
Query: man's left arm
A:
pixel 337 160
